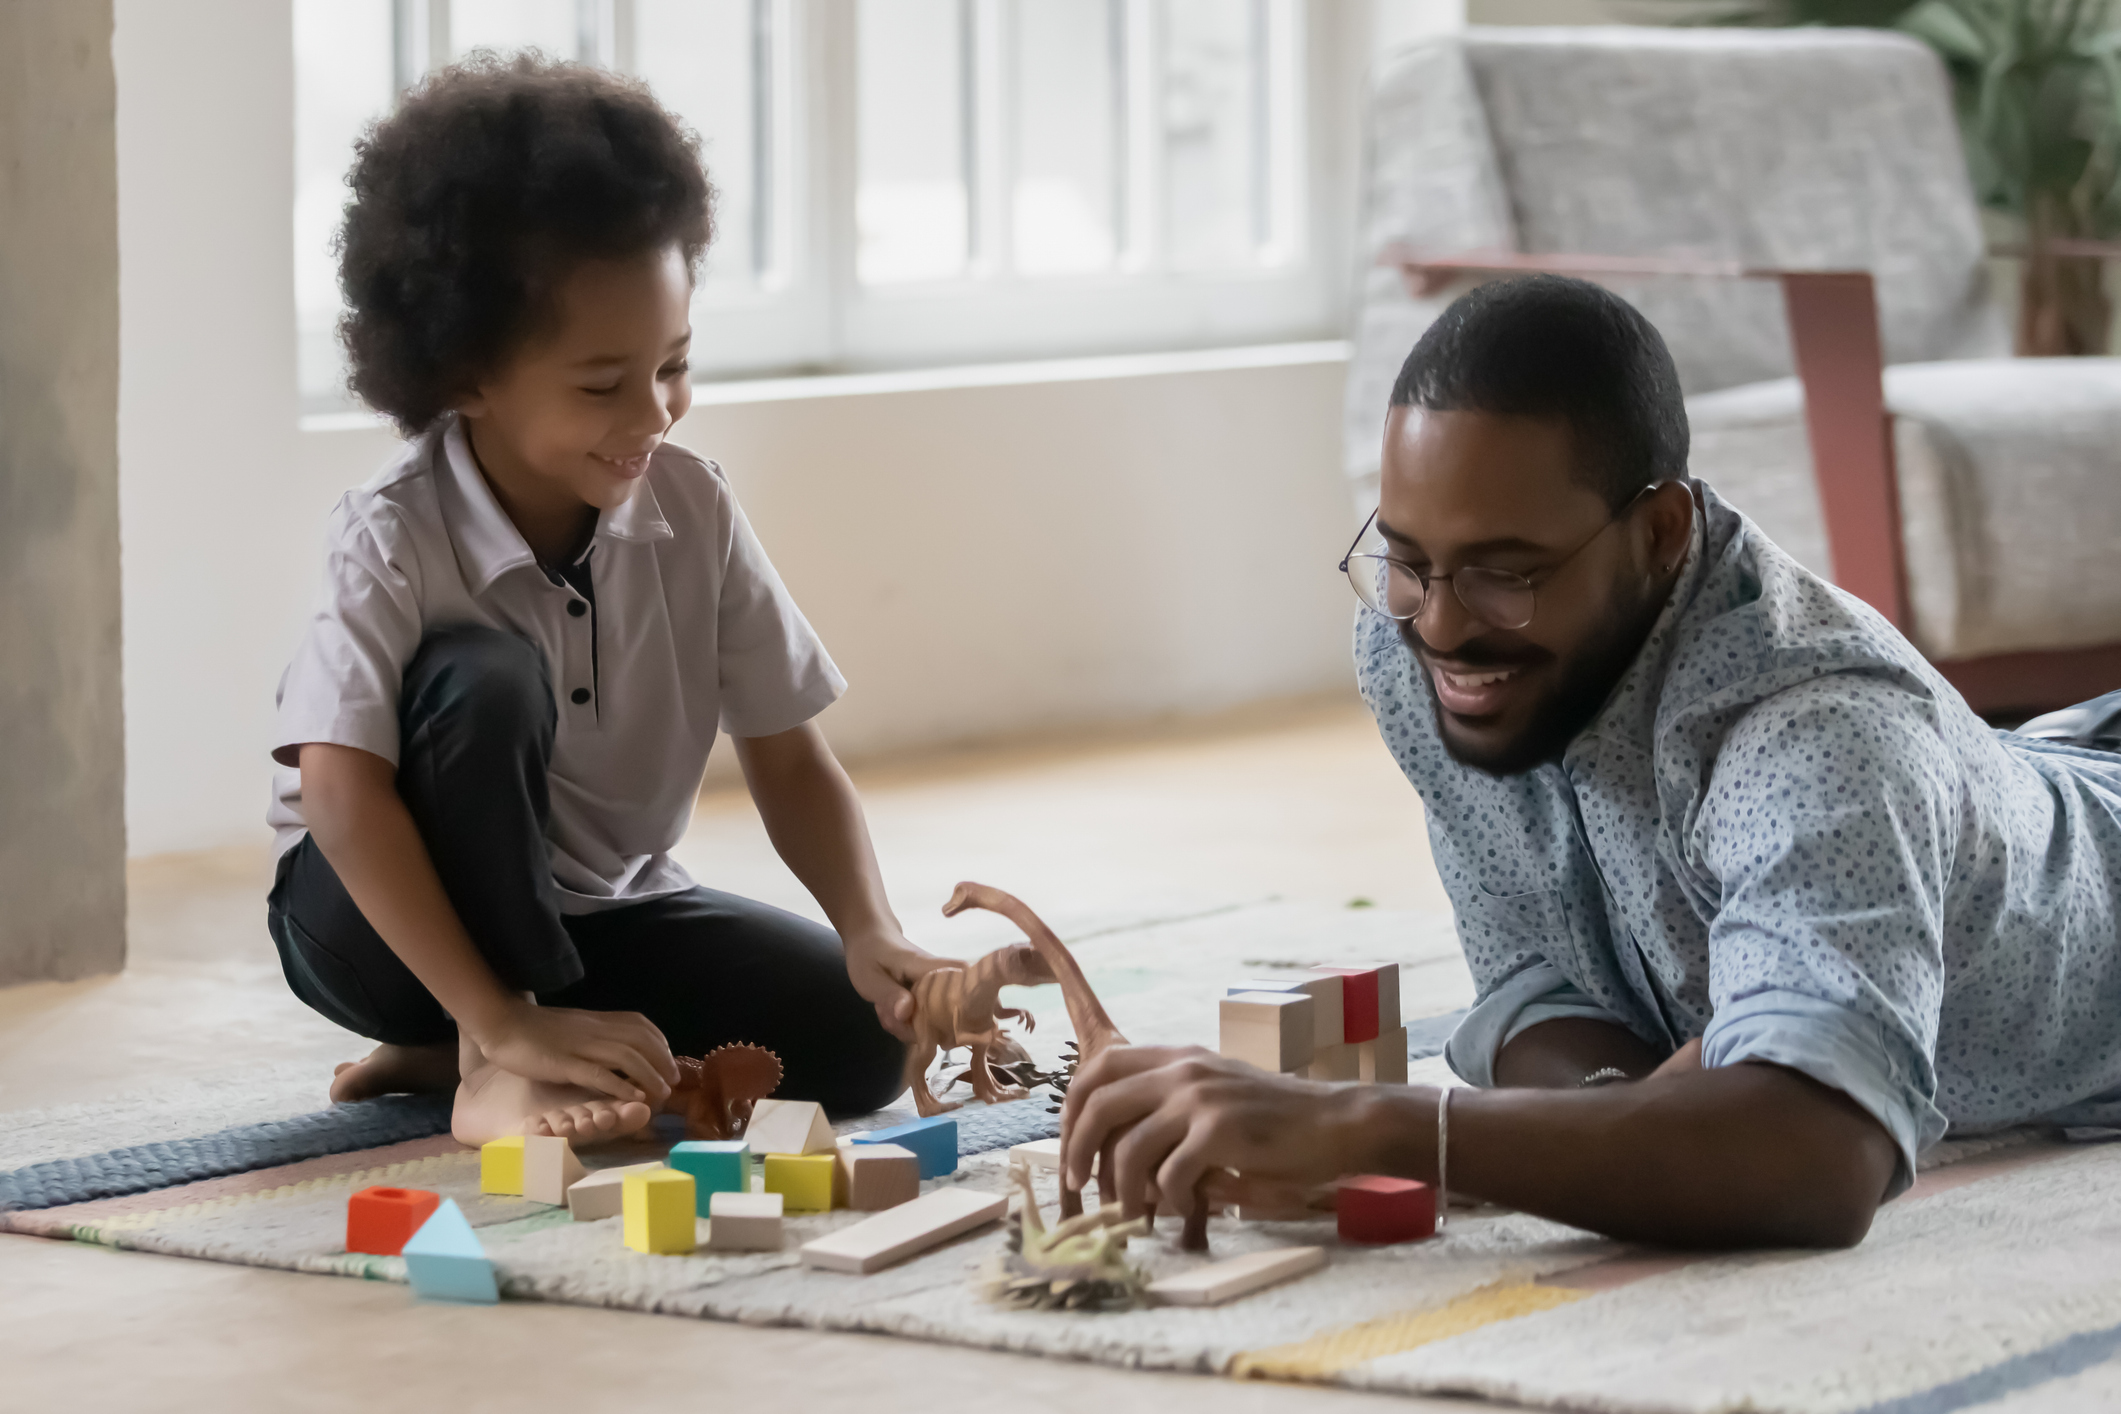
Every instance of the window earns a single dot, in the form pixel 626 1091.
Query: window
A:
pixel 905 182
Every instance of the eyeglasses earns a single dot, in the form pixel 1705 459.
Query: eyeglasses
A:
pixel 1496 598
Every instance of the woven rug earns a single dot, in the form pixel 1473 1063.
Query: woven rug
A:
pixel 1997 1278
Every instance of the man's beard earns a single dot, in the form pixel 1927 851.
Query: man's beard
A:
pixel 1578 695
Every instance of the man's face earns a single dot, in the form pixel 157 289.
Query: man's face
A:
pixel 1478 489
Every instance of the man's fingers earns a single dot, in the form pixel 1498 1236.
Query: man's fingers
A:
pixel 1108 1067
pixel 1135 1155
pixel 1183 1168
pixel 1114 1105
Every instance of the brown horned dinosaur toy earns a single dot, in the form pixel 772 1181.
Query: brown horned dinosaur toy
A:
pixel 716 1093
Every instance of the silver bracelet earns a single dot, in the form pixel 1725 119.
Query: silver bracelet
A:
pixel 1443 1153
pixel 1603 1076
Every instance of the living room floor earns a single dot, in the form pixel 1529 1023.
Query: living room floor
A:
pixel 1297 800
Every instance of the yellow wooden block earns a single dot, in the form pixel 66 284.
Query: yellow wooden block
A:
pixel 501 1166
pixel 659 1210
pixel 804 1181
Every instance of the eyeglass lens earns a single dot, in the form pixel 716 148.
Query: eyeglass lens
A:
pixel 1495 597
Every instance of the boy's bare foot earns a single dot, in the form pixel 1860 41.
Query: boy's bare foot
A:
pixel 492 1103
pixel 396 1070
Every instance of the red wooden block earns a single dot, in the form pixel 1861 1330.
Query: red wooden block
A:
pixel 382 1220
pixel 1358 1002
pixel 1374 1209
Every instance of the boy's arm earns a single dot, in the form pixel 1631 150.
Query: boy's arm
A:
pixel 814 819
pixel 350 800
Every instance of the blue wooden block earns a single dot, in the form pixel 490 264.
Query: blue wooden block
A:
pixel 716 1166
pixel 933 1141
pixel 446 1263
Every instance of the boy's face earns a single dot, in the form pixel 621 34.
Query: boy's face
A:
pixel 1475 488
pixel 577 410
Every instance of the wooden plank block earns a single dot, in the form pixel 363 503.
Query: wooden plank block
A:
pixel 1324 990
pixel 873 1177
pixel 904 1231
pixel 501 1166
pixel 1272 1030
pixel 1038 1154
pixel 1384 1060
pixel 788 1127
pixel 549 1169
pixel 1336 1062
pixel 602 1193
pixel 1240 1276
pixel 744 1222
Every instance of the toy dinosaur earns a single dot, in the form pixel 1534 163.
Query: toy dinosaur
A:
pixel 716 1093
pixel 1080 1264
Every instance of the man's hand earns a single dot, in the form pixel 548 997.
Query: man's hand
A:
pixel 883 968
pixel 618 1053
pixel 1161 1119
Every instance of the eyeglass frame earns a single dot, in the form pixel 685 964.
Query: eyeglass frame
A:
pixel 1546 575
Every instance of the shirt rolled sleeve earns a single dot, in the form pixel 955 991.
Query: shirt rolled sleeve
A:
pixel 1538 993
pixel 775 673
pixel 1840 1049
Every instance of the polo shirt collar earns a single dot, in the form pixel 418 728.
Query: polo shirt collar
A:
pixel 488 543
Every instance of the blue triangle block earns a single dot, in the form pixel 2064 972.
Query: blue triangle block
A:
pixel 445 1262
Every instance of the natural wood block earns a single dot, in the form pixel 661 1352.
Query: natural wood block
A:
pixel 1339 1061
pixel 904 1231
pixel 1038 1154
pixel 1324 990
pixel 601 1193
pixel 804 1180
pixel 1375 1209
pixel 788 1127
pixel 660 1212
pixel 380 1220
pixel 744 1222
pixel 1384 1060
pixel 549 1169
pixel 501 1166
pixel 1240 1276
pixel 1272 1030
pixel 873 1177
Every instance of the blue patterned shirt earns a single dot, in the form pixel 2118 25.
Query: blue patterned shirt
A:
pixel 1785 834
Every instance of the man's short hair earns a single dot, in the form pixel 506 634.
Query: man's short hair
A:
pixel 1548 346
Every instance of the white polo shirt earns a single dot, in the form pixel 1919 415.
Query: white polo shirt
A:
pixel 692 631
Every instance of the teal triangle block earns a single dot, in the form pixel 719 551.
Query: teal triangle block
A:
pixel 445 1262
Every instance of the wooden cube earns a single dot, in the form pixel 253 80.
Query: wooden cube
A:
pixel 1384 1060
pixel 1323 989
pixel 501 1166
pixel 660 1212
pixel 804 1180
pixel 1375 1209
pixel 744 1222
pixel 788 1127
pixel 1272 1030
pixel 549 1169
pixel 1369 999
pixel 934 1139
pixel 380 1220
pixel 716 1166
pixel 602 1193
pixel 1339 1061
pixel 873 1177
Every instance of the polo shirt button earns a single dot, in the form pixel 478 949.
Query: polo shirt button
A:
pixel 581 695
pixel 577 607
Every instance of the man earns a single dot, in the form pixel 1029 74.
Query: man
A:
pixel 1756 907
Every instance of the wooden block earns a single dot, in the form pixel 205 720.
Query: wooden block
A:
pixel 934 1139
pixel 788 1127
pixel 549 1169
pixel 904 1231
pixel 873 1177
pixel 1038 1154
pixel 716 1166
pixel 661 1215
pixel 1272 1030
pixel 1340 1061
pixel 1374 1209
pixel 1324 991
pixel 1384 1060
pixel 602 1193
pixel 1369 999
pixel 744 1222
pixel 501 1166
pixel 804 1180
pixel 444 1261
pixel 380 1220
pixel 1240 1276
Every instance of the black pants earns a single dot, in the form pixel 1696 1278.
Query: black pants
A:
pixel 476 727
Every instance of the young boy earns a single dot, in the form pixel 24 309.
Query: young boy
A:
pixel 535 620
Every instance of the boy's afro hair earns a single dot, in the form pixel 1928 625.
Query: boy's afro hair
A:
pixel 472 201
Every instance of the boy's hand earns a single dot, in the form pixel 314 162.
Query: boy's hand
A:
pixel 619 1053
pixel 882 968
